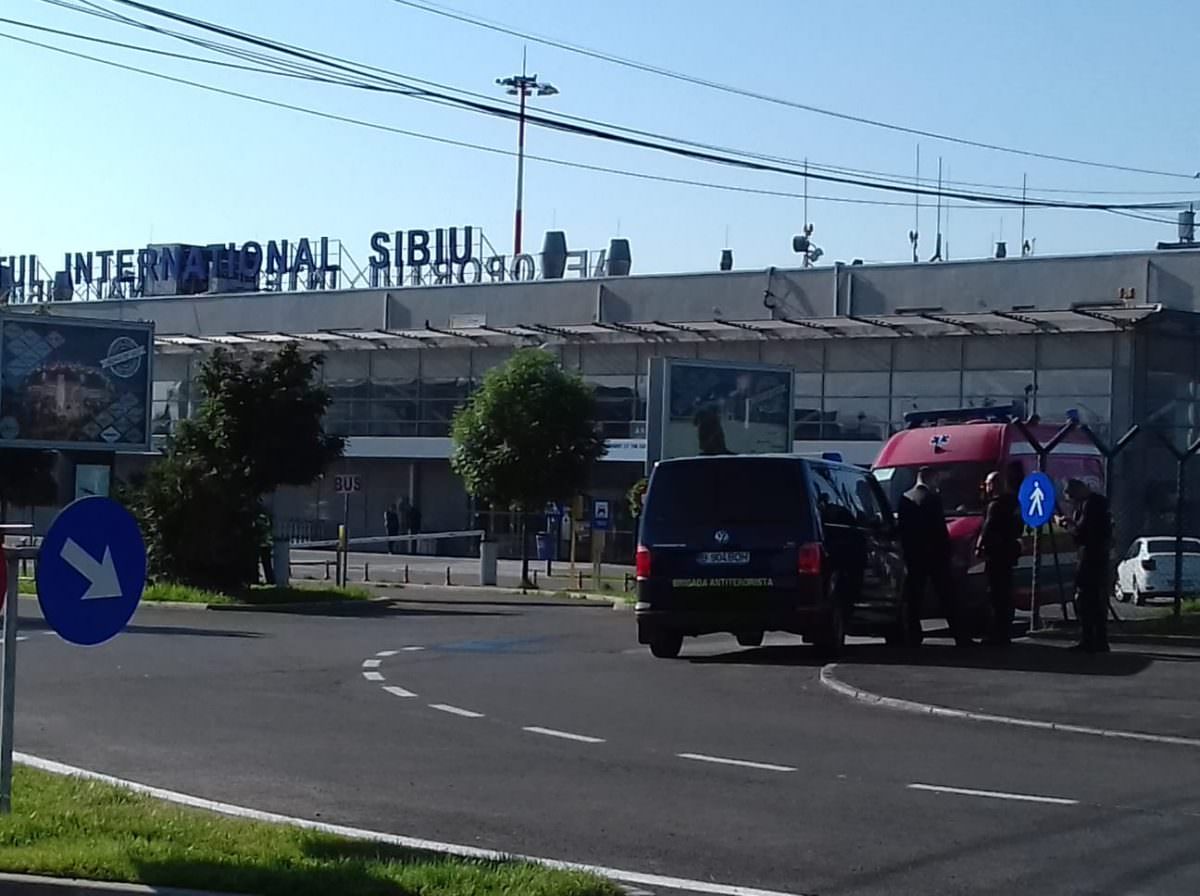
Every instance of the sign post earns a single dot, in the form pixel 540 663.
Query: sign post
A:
pixel 345 484
pixel 91 571
pixel 8 682
pixel 601 523
pixel 1037 500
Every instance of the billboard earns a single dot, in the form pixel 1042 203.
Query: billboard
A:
pixel 75 383
pixel 713 407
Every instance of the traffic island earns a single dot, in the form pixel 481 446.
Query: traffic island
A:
pixel 258 597
pixel 1131 694
pixel 68 827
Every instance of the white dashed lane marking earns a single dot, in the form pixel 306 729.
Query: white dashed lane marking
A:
pixel 371 664
pixel 565 735
pixel 411 649
pixel 995 794
pixel 387 653
pixel 398 691
pixel 742 763
pixel 372 676
pixel 456 711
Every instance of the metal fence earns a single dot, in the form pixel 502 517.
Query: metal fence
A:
pixel 1153 526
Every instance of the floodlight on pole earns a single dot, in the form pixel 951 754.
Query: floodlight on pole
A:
pixel 523 86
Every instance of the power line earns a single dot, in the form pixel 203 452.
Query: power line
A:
pixel 600 133
pixel 168 54
pixel 447 141
pixel 766 98
pixel 550 120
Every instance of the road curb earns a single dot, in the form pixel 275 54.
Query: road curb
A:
pixel 298 607
pixel 835 684
pixel 617 875
pixel 1120 638
pixel 35 885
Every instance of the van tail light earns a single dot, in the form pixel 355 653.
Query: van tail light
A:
pixel 1150 564
pixel 808 560
pixel 643 562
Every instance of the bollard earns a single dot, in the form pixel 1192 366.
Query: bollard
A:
pixel 405 573
pixel 487 563
pixel 366 572
pixel 580 575
pixel 327 570
pixel 447 575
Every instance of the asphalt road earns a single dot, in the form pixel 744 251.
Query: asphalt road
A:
pixel 542 728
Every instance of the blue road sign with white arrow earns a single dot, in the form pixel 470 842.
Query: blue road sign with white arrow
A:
pixel 1037 499
pixel 91 570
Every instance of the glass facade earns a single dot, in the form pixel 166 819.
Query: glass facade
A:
pixel 848 389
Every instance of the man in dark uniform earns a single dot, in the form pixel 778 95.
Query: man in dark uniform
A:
pixel 1091 524
pixel 1000 546
pixel 926 546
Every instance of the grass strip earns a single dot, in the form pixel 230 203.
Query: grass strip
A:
pixel 70 827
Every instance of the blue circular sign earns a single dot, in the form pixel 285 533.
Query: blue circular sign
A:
pixel 1037 499
pixel 91 570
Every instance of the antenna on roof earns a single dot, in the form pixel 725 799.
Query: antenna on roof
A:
pixel 914 235
pixel 937 246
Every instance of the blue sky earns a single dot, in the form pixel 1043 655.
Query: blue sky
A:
pixel 98 158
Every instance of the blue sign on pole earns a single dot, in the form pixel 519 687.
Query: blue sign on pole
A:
pixel 91 570
pixel 601 515
pixel 1037 499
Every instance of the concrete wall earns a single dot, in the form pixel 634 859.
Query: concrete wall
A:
pixel 1172 278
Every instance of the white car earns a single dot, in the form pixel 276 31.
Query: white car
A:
pixel 1148 569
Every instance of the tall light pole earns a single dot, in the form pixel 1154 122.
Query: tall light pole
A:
pixel 523 85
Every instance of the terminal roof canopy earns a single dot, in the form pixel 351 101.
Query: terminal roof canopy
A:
pixel 1083 319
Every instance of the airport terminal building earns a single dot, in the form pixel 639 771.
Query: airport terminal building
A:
pixel 1111 337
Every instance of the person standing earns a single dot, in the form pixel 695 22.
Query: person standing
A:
pixel 1091 525
pixel 391 526
pixel 1000 546
pixel 925 543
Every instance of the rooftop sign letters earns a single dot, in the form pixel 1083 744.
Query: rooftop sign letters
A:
pixel 397 258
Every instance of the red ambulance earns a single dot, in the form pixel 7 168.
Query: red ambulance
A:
pixel 963 446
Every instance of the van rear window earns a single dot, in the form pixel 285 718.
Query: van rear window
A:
pixel 731 490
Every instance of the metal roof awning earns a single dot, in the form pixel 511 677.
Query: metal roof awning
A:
pixel 924 323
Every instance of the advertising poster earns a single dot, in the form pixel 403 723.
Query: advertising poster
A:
pixel 74 383
pixel 717 408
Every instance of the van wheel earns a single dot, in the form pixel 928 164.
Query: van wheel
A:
pixel 830 638
pixel 666 646
pixel 1123 596
pixel 749 639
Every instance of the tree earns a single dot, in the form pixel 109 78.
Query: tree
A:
pixel 636 496
pixel 26 479
pixel 259 426
pixel 526 437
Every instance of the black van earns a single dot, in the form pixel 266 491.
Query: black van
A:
pixel 753 543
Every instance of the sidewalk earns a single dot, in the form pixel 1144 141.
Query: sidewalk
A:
pixel 1146 689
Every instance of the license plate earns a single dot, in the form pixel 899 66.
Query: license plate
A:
pixel 724 558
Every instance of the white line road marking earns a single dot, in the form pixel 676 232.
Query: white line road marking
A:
pixel 744 763
pixel 371 664
pixel 996 794
pixel 398 692
pixel 640 878
pixel 373 676
pixel 387 653
pixel 831 681
pixel 410 649
pixel 565 735
pixel 454 710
